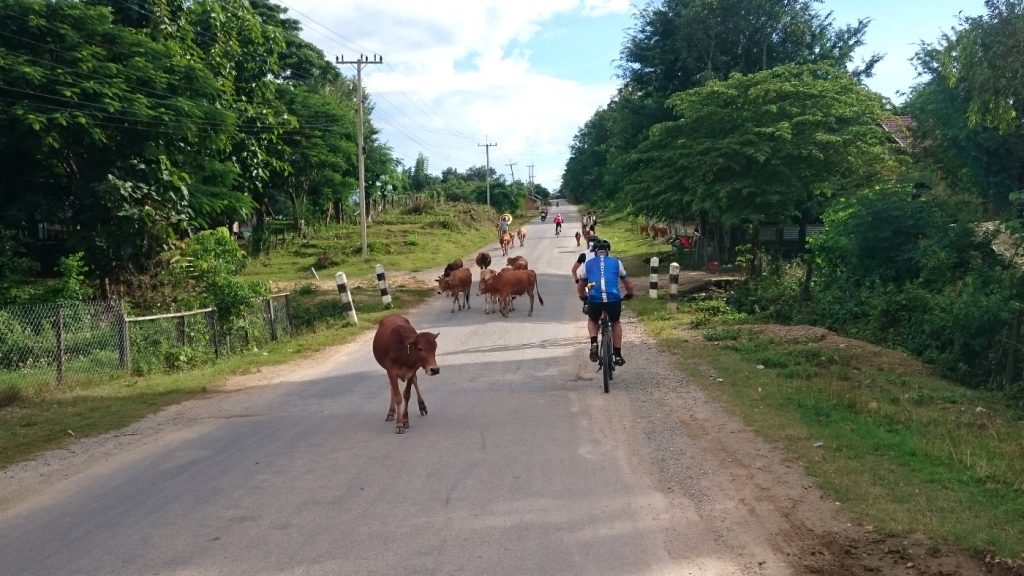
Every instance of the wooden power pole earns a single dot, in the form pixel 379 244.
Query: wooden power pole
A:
pixel 359 62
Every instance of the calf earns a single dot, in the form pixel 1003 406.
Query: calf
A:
pixel 488 291
pixel 402 351
pixel 483 260
pixel 521 234
pixel 458 282
pixel 453 265
pixel 518 263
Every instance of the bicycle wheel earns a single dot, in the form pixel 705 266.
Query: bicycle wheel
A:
pixel 606 353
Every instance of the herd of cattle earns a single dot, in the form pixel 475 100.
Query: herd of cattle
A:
pixel 402 351
pixel 498 288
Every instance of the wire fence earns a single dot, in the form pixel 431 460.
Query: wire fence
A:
pixel 69 344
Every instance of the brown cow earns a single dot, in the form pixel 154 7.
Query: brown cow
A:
pixel 510 283
pixel 518 263
pixel 483 260
pixel 506 243
pixel 453 265
pixel 402 351
pixel 484 290
pixel 521 234
pixel 460 281
pixel 659 231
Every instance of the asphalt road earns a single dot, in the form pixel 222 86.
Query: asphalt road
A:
pixel 523 466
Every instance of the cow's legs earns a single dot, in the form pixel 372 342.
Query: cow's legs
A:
pixel 396 410
pixel 419 397
pixel 408 392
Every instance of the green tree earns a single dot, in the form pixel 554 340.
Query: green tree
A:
pixel 678 45
pixel 766 147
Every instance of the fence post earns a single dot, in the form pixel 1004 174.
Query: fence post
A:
pixel 288 313
pixel 273 319
pixel 58 331
pixel 673 286
pixel 124 341
pixel 211 326
pixel 180 329
pixel 382 283
pixel 653 288
pixel 346 298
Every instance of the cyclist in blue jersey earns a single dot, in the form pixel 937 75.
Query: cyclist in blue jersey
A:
pixel 598 288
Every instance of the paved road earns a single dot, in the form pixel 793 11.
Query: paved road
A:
pixel 523 466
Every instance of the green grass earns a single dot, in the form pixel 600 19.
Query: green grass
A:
pixel 409 241
pixel 902 449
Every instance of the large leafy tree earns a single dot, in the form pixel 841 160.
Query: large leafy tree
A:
pixel 678 45
pixel 967 109
pixel 765 147
pixel 92 127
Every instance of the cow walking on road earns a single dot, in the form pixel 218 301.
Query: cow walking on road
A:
pixel 458 283
pixel 402 351
pixel 506 243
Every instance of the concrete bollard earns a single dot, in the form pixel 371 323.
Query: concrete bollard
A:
pixel 346 298
pixel 673 286
pixel 382 283
pixel 653 289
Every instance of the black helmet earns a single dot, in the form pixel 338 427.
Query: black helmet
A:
pixel 601 245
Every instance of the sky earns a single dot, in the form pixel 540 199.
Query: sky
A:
pixel 461 80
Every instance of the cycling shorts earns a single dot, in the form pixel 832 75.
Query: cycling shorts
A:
pixel 614 310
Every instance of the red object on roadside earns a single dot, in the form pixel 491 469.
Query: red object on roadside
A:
pixel 712 266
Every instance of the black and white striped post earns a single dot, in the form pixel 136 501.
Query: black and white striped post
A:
pixel 653 289
pixel 382 283
pixel 346 298
pixel 673 286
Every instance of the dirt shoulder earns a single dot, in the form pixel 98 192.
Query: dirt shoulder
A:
pixel 748 489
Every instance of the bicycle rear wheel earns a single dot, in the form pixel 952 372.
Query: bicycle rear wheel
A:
pixel 606 354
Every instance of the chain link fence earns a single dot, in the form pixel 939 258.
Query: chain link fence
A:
pixel 69 344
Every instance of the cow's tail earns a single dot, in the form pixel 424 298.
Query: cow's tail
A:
pixel 536 286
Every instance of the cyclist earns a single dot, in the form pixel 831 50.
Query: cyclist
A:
pixel 598 288
pixel 502 227
pixel 558 224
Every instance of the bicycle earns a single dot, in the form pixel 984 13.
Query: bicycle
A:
pixel 605 361
pixel 558 229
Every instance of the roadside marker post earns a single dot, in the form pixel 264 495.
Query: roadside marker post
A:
pixel 346 298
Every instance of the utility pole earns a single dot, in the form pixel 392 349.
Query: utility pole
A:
pixel 530 166
pixel 510 165
pixel 487 176
pixel 359 62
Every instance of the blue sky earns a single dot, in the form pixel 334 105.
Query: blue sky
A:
pixel 527 74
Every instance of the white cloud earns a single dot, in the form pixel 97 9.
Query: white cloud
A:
pixel 451 77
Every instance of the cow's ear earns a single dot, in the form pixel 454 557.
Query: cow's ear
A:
pixel 410 345
pixel 436 334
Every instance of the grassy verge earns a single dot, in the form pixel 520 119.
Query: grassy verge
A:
pixel 411 240
pixel 39 417
pixel 903 450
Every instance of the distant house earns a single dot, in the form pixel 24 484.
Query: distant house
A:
pixel 898 128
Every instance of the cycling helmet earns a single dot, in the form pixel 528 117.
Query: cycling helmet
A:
pixel 600 245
